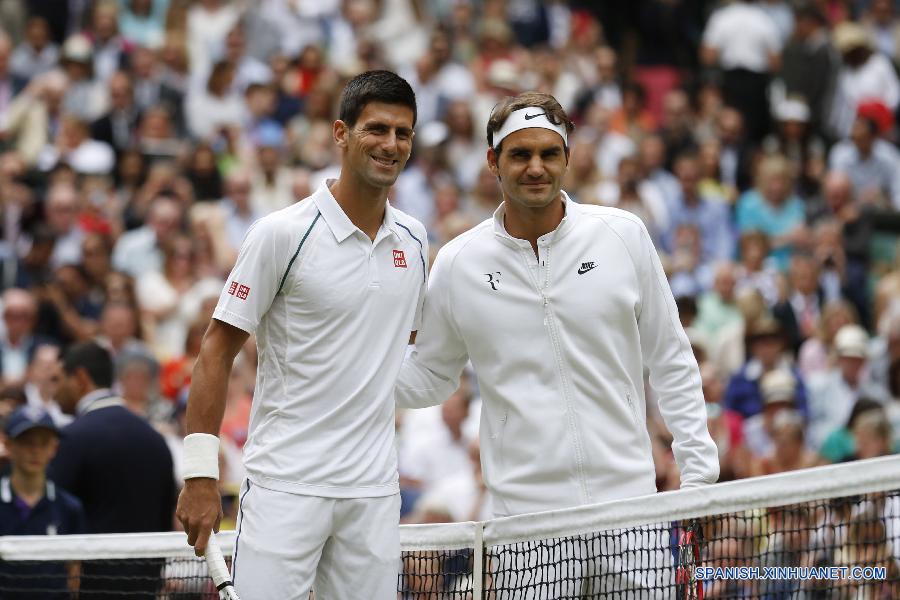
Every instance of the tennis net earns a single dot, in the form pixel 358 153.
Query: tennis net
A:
pixel 829 532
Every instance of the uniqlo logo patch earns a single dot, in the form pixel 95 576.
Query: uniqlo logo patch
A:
pixel 399 259
pixel 236 288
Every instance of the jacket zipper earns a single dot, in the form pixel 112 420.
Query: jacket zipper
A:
pixel 550 323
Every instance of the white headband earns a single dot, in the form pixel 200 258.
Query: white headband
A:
pixel 524 118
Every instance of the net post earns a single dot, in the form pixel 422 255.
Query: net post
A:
pixel 478 563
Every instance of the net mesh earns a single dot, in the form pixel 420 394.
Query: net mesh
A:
pixel 832 532
pixel 806 550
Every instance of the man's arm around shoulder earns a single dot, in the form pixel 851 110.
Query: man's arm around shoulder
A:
pixel 430 372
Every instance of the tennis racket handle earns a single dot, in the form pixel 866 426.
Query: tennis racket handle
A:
pixel 218 570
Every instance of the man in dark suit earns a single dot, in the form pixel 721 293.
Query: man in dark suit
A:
pixel 115 463
pixel 117 127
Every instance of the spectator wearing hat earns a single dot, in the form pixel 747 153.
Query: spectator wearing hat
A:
pixel 32 504
pixel 766 347
pixel 833 394
pixel 85 97
pixel 778 390
pixel 863 75
pixel 795 139
pixel 816 354
pixel 872 163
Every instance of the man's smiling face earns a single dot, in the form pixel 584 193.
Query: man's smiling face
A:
pixel 378 145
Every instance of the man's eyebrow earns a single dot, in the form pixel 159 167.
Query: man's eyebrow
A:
pixel 381 125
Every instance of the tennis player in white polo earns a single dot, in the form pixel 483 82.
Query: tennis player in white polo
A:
pixel 332 287
pixel 560 307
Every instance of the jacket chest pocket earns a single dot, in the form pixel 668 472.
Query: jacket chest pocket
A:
pixel 635 418
pixel 640 427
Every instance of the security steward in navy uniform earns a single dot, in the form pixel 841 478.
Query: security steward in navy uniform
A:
pixel 31 504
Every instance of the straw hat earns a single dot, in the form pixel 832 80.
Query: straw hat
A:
pixel 848 36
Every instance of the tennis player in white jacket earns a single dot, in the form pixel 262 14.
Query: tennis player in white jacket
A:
pixel 560 307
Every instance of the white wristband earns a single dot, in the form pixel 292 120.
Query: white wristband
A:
pixel 201 456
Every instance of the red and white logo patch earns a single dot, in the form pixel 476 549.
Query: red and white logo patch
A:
pixel 238 289
pixel 399 259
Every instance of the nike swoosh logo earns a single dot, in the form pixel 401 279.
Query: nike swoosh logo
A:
pixel 582 270
pixel 529 117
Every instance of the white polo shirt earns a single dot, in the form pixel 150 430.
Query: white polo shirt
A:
pixel 332 312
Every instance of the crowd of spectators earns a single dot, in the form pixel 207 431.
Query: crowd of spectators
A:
pixel 140 139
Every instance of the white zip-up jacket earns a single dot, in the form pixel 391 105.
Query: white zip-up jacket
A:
pixel 559 343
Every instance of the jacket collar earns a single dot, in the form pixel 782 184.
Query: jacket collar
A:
pixel 572 213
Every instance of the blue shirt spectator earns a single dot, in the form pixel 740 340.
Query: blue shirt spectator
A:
pixel 772 208
pixel 711 216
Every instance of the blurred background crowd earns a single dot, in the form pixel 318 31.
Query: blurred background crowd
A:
pixel 139 139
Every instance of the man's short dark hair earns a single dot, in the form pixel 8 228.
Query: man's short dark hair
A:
pixel 375 86
pixel 94 359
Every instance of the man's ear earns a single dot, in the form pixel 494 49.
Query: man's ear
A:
pixel 492 159
pixel 339 132
pixel 83 378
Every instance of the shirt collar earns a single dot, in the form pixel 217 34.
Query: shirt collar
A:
pixel 338 221
pixel 568 221
pixel 6 491
pixel 84 405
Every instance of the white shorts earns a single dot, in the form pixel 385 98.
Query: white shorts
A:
pixel 344 548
